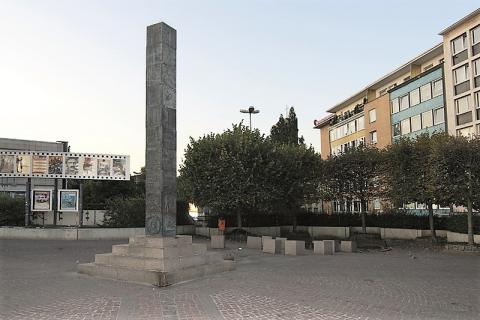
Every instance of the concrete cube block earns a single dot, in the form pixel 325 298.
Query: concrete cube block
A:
pixel 337 245
pixel 294 247
pixel 348 246
pixel 271 245
pixel 254 242
pixel 217 242
pixel 281 248
pixel 325 247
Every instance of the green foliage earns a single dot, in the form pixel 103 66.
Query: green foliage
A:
pixel 183 217
pixel 285 131
pixel 242 171
pixel 353 174
pixel 125 212
pixel 12 211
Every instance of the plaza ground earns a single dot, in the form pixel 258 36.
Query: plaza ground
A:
pixel 38 280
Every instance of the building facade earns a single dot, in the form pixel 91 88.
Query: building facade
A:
pixel 437 91
pixel 461 43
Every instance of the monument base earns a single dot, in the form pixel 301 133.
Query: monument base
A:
pixel 158 261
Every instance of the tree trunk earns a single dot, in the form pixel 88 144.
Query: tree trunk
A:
pixel 294 222
pixel 432 223
pixel 470 222
pixel 239 220
pixel 364 220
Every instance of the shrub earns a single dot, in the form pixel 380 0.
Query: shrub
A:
pixel 125 213
pixel 12 211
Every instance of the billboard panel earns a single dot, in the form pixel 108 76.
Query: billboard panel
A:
pixel 64 165
pixel 41 200
pixel 67 200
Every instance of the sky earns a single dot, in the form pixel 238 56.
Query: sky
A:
pixel 75 70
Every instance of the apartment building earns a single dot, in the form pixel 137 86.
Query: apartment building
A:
pixel 461 43
pixel 374 114
pixel 437 91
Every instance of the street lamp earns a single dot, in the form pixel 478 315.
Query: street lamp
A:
pixel 250 110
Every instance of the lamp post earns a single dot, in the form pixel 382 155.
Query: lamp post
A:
pixel 250 110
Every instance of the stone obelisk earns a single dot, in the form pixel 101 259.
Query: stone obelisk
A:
pixel 161 134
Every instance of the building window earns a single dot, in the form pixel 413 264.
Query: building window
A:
pixel 372 115
pixel 476 40
pixel 395 105
pixel 415 97
pixel 396 130
pixel 476 72
pixel 438 116
pixel 427 119
pixel 416 123
pixel 437 88
pixel 478 129
pixel 459 44
pixel 360 123
pixel 405 126
pixel 425 92
pixel 461 74
pixel 463 105
pixel 404 104
pixel 477 99
pixel 476 35
pixel 465 132
pixel 373 137
pixel 376 204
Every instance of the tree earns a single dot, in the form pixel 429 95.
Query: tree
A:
pixel 458 174
pixel 12 211
pixel 295 177
pixel 353 175
pixel 410 171
pixel 285 131
pixel 241 171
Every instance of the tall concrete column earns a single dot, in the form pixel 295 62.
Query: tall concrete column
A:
pixel 161 135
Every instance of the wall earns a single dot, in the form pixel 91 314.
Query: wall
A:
pixel 461 237
pixel 382 125
pixel 79 234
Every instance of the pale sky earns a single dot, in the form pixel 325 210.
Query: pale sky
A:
pixel 75 70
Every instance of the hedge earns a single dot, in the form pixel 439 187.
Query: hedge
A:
pixel 400 220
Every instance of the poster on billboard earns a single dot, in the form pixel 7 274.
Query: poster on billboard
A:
pixel 23 164
pixel 64 165
pixel 7 163
pixel 103 167
pixel 55 164
pixel 88 166
pixel 68 200
pixel 41 200
pixel 40 164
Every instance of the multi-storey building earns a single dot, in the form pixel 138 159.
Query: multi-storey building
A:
pixel 437 91
pixel 461 45
pixel 374 114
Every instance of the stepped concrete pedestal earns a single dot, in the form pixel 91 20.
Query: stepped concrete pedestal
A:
pixel 160 261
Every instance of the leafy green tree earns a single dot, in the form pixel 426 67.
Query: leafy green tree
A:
pixel 241 171
pixel 285 131
pixel 125 212
pixel 458 174
pixel 353 175
pixel 295 177
pixel 410 170
pixel 12 211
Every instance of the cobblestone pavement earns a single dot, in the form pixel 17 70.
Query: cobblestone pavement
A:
pixel 38 280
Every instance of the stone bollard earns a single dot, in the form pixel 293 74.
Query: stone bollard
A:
pixel 265 238
pixel 271 245
pixel 281 248
pixel 254 242
pixel 348 246
pixel 217 241
pixel 294 247
pixel 337 245
pixel 324 247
